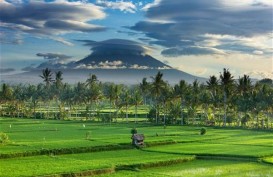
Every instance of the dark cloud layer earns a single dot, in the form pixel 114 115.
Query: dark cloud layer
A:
pixel 53 56
pixel 180 25
pixel 116 46
pixel 6 70
pixel 174 52
pixel 50 18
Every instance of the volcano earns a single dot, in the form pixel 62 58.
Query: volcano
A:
pixel 116 60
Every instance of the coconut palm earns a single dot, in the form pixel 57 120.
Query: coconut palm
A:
pixel 47 77
pixel 244 89
pixel 91 80
pixel 181 90
pixel 165 97
pixel 126 98
pixel 213 88
pixel 144 88
pixel 193 99
pixel 227 82
pixel 58 79
pixel 94 91
pixel 136 100
pixel 157 86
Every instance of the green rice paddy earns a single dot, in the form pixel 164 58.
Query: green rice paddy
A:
pixel 83 148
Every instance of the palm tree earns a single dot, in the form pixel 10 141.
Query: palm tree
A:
pixel 91 80
pixel 58 79
pixel 181 90
pixel 79 94
pixel 93 92
pixel 244 89
pixel 144 88
pixel 136 99
pixel 165 97
pixel 47 77
pixel 193 99
pixel 126 97
pixel 227 82
pixel 213 87
pixel 156 89
pixel 113 93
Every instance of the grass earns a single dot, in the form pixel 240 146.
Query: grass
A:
pixel 29 135
pixel 43 165
pixel 202 168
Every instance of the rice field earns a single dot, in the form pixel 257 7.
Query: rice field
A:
pixel 83 148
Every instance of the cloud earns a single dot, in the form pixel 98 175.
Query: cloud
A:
pixel 50 18
pixel 183 24
pixel 119 5
pixel 53 56
pixel 260 74
pixel 192 50
pixel 116 46
pixel 6 70
pixel 150 5
pixel 103 65
pixel 29 68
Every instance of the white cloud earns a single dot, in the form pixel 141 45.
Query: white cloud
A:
pixel 123 6
pixel 149 5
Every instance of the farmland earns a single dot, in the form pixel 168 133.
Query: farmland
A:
pixel 55 147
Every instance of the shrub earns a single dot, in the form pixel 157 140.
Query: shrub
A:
pixel 151 115
pixel 3 138
pixel 203 131
pixel 133 131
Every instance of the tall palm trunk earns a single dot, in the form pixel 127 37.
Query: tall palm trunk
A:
pixel 225 108
pixel 135 113
pixel 156 112
pixel 126 113
pixel 182 117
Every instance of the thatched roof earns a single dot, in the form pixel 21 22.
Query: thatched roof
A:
pixel 139 137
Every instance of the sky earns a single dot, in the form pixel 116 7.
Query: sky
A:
pixel 200 37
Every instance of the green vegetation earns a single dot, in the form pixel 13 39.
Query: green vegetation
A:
pixel 222 101
pixel 61 147
pixel 202 168
pixel 58 129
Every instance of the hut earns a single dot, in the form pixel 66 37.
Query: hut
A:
pixel 138 140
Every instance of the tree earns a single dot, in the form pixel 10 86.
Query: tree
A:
pixel 113 93
pixel 213 88
pixel 227 82
pixel 193 99
pixel 93 92
pixel 58 79
pixel 47 77
pixel 136 100
pixel 92 80
pixel 144 88
pixel 181 90
pixel 126 98
pixel 244 90
pixel 157 86
pixel 165 97
pixel 6 93
pixel 79 94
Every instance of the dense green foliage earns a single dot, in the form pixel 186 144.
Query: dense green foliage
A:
pixel 220 101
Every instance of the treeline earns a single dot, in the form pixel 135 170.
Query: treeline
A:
pixel 223 100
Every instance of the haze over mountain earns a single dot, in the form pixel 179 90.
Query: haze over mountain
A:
pixel 114 60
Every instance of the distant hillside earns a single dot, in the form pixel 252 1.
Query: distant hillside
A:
pixel 124 76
